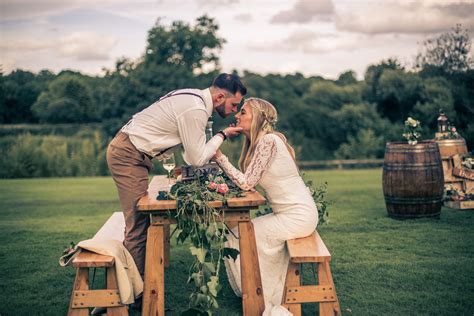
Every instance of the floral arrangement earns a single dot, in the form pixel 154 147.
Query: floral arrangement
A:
pixel 468 162
pixel 451 193
pixel 200 223
pixel 452 133
pixel 412 131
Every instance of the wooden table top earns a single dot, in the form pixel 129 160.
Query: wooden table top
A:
pixel 160 183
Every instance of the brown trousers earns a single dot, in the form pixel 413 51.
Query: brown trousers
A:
pixel 129 168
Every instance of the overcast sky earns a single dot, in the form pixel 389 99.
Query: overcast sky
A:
pixel 314 37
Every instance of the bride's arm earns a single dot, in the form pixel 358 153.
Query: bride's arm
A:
pixel 264 152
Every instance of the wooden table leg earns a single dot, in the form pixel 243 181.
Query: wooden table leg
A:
pixel 167 245
pixel 154 288
pixel 252 292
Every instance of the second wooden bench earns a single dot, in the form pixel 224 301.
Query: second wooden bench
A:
pixel 311 250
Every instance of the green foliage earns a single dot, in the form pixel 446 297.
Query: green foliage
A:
pixel 365 144
pixel 52 156
pixel 68 99
pixel 451 51
pixel 200 222
pixel 19 91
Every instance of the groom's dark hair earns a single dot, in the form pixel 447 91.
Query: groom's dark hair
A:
pixel 230 82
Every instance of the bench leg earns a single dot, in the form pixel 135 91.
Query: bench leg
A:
pixel 293 278
pixel 80 283
pixel 154 289
pixel 112 284
pixel 325 278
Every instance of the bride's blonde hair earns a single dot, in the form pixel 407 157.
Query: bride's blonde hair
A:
pixel 264 119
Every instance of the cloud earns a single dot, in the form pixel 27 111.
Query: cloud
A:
pixel 86 46
pixel 304 11
pixel 244 17
pixel 308 42
pixel 79 46
pixel 214 3
pixel 404 18
pixel 27 9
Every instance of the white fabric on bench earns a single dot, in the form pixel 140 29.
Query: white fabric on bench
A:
pixel 108 241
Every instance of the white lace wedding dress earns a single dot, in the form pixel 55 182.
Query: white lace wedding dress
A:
pixel 294 215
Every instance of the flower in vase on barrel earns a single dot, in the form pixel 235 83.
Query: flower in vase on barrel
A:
pixel 412 131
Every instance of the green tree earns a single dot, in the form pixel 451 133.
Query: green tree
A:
pixel 68 99
pixel 346 78
pixel 20 90
pixel 176 56
pixel 331 96
pixel 451 51
pixel 397 93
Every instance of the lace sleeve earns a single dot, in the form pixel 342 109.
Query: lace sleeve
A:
pixel 265 151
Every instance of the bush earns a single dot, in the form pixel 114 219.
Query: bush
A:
pixel 52 156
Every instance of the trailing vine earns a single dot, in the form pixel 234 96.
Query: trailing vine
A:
pixel 201 224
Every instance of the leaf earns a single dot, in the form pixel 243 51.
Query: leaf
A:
pixel 197 278
pixel 230 253
pixel 209 266
pixel 212 285
pixel 200 253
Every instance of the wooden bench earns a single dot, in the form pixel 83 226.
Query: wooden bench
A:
pixel 82 298
pixel 311 250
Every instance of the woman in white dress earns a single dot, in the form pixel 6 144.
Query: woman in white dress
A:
pixel 269 161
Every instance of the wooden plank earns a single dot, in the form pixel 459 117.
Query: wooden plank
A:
pixel 460 205
pixel 87 259
pixel 252 291
pixel 325 279
pixel 464 173
pixel 308 249
pixel 249 199
pixel 112 284
pixel 153 293
pixel 293 279
pixel 80 283
pixel 150 203
pixel 96 298
pixel 310 293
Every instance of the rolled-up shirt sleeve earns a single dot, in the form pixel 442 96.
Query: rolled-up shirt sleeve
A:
pixel 191 128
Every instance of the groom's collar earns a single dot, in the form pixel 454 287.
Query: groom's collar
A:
pixel 206 94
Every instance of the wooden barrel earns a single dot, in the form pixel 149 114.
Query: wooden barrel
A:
pixel 413 180
pixel 451 147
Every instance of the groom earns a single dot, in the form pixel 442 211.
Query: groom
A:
pixel 177 119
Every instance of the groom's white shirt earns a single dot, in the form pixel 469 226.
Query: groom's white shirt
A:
pixel 174 121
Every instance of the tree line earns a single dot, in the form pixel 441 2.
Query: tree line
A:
pixel 323 119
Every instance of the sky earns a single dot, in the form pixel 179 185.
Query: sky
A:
pixel 313 37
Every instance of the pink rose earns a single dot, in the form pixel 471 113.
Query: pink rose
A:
pixel 453 129
pixel 222 188
pixel 212 185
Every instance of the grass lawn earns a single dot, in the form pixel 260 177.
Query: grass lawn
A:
pixel 380 266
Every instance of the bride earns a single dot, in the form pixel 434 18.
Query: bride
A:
pixel 269 161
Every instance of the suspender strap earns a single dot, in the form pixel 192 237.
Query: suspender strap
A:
pixel 169 95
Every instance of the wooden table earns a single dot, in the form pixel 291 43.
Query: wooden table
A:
pixel 237 212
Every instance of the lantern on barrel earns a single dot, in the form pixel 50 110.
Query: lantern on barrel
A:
pixel 413 179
